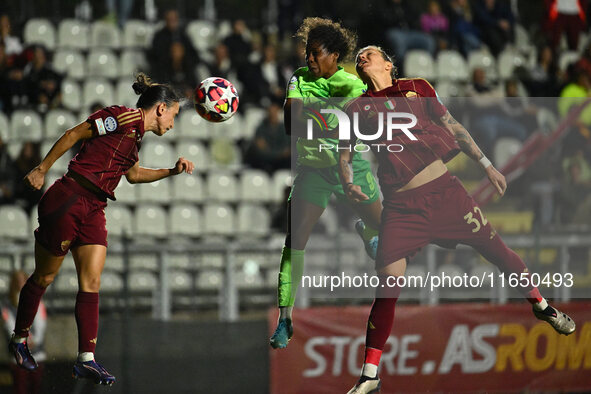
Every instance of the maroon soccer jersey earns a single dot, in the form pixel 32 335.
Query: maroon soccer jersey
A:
pixel 434 142
pixel 113 150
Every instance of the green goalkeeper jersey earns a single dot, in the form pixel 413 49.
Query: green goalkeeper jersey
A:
pixel 303 85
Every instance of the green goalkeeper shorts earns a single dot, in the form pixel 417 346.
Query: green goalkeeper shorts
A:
pixel 316 185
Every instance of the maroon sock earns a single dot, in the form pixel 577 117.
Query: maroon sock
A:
pixel 381 319
pixel 28 303
pixel 87 315
pixel 509 263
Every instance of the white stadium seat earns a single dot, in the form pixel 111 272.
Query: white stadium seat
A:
pixel 185 220
pixel 137 33
pixel 188 188
pixel 202 34
pixel 57 121
pixel 508 60
pixel 419 64
pixel 219 219
pixel 156 154
pixel 195 152
pixel 125 94
pixel 14 222
pixel 119 220
pixel 192 125
pixel 126 192
pixel 66 281
pixel 40 31
pixel 158 191
pixel 73 34
pixel 222 186
pixel 504 150
pixel 209 279
pixel 252 119
pixel 70 62
pixel 452 66
pixel 26 125
pixel 281 180
pixel 567 58
pixel 179 280
pixel 225 154
pixel 98 91
pixel 111 282
pixel 255 185
pixel 142 281
pixel 253 220
pixel 231 128
pixel 151 220
pixel 485 61
pixel 131 62
pixel 5 133
pixel 71 95
pixel 104 34
pixel 102 62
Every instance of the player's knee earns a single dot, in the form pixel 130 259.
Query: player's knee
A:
pixel 90 284
pixel 44 279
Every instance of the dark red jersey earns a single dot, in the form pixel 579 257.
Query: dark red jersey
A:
pixel 399 165
pixel 113 150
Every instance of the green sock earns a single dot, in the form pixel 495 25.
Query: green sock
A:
pixel 290 275
pixel 368 233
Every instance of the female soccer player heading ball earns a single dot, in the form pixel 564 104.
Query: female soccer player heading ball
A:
pixel 71 212
pixel 423 203
pixel 327 44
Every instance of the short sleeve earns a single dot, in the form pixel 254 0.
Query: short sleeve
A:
pixel 435 106
pixel 293 88
pixel 104 121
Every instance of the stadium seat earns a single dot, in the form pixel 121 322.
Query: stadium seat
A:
pixel 451 66
pixel 247 280
pixel 219 219
pixel 71 95
pixel 4 283
pixel 253 220
pixel 255 185
pixel 26 125
pixel 485 61
pixel 5 133
pixel 223 29
pixel 508 60
pixel 230 129
pixel 66 282
pixel 179 280
pixel 73 34
pixel 448 89
pixel 222 186
pixel 192 125
pixel 57 121
pixel 281 180
pixel 419 64
pixel 126 192
pixel 156 154
pixel 151 220
pixel 125 94
pixel 131 62
pixel 185 220
pixel 225 154
pixel 195 152
pixel 137 34
pixel 97 91
pixel 14 222
pixel 188 188
pixel 144 261
pixel 504 150
pixel 158 191
pixel 119 220
pixel 330 220
pixel 567 58
pixel 40 31
pixel 202 34
pixel 104 34
pixel 252 119
pixel 522 40
pixel 33 220
pixel 70 62
pixel 450 270
pixel 61 164
pixel 415 270
pixel 484 270
pixel 102 62
pixel 142 281
pixel 111 282
pixel 209 280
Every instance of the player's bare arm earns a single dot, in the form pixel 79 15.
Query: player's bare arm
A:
pixel 36 178
pixel 352 191
pixel 469 147
pixel 138 174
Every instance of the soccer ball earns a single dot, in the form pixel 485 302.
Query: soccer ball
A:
pixel 216 99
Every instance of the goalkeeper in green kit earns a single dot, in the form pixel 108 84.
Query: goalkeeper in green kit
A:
pixel 327 44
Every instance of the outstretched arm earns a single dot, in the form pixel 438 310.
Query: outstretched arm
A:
pixel 469 147
pixel 352 191
pixel 137 174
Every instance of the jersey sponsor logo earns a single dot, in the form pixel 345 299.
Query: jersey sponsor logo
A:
pixel 292 83
pixel 100 126
pixel 110 124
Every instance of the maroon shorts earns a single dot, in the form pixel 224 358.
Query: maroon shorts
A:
pixel 439 212
pixel 70 216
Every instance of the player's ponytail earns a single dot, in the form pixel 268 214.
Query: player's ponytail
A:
pixel 152 93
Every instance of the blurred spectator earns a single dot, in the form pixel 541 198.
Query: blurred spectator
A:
pixel 403 31
pixel 543 79
pixel 464 34
pixel 495 20
pixel 25 382
pixel 575 195
pixel 13 90
pixel 119 11
pixel 8 175
pixel 565 16
pixel 270 149
pixel 180 72
pixel 221 66
pixel 43 83
pixel 238 43
pixel 28 158
pixel 159 54
pixel 434 22
pixel 12 44
pixel 573 94
pixel 263 82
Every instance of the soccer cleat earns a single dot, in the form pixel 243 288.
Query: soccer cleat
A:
pixel 371 245
pixel 282 334
pixel 93 371
pixel 366 385
pixel 22 355
pixel 561 322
